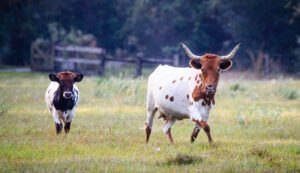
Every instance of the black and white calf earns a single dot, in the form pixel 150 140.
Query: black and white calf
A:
pixel 62 97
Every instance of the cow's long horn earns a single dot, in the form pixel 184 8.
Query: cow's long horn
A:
pixel 188 52
pixel 232 53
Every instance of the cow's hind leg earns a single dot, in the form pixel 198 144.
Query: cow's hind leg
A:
pixel 150 116
pixel 195 133
pixel 167 128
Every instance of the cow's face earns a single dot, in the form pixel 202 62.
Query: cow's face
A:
pixel 66 81
pixel 210 65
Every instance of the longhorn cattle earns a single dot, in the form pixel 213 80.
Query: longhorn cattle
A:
pixel 62 98
pixel 181 93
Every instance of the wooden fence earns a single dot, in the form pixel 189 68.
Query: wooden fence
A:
pixel 70 58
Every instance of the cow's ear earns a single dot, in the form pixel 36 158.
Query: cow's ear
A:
pixel 195 63
pixel 78 78
pixel 53 78
pixel 225 65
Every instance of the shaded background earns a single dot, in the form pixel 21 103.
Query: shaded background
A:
pixel 124 27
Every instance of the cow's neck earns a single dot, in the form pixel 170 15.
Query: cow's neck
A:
pixel 198 94
pixel 60 103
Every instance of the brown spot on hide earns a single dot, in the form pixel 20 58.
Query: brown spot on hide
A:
pixel 191 103
pixel 172 99
pixel 167 96
pixel 187 96
pixel 181 78
pixel 160 88
pixel 197 93
pixel 198 81
pixel 196 77
pixel 190 78
pixel 174 81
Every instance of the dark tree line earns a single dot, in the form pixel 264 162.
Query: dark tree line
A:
pixel 155 27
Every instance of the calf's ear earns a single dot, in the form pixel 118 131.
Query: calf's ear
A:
pixel 78 78
pixel 225 65
pixel 53 78
pixel 195 63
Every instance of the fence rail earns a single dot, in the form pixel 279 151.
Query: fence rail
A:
pixel 62 57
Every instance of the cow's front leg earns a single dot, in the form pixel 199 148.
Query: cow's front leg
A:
pixel 195 132
pixel 205 127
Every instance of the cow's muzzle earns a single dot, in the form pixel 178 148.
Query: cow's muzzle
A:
pixel 68 95
pixel 210 90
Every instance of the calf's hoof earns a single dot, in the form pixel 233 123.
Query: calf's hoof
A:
pixel 58 128
pixel 67 127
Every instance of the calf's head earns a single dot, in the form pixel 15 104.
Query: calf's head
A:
pixel 210 65
pixel 66 81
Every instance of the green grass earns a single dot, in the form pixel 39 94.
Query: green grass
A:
pixel 255 126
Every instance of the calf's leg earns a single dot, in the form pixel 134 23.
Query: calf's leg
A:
pixel 58 124
pixel 58 128
pixel 68 120
pixel 67 127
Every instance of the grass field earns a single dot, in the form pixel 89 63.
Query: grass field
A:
pixel 255 126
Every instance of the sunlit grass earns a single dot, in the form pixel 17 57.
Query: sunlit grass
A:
pixel 255 126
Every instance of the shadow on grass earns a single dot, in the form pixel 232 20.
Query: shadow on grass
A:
pixel 181 159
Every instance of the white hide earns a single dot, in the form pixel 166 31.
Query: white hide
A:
pixel 160 84
pixel 65 116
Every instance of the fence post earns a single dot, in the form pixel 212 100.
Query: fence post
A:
pixel 266 66
pixel 102 64
pixel 176 60
pixel 139 64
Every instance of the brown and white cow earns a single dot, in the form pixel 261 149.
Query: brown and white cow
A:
pixel 180 93
pixel 62 97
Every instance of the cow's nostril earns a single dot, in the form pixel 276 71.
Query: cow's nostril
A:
pixel 210 87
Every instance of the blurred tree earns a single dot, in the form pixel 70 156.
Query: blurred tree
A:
pixel 157 27
pixel 264 27
pixel 162 25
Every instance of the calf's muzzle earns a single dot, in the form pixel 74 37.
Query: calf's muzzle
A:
pixel 68 95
